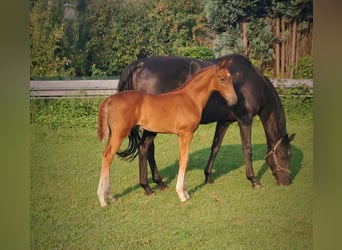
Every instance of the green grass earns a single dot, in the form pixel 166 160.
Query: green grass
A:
pixel 230 214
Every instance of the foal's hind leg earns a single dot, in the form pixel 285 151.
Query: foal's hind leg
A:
pixel 103 191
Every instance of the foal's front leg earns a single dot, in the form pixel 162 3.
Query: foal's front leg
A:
pixel 184 145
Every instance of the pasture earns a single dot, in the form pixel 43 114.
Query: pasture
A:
pixel 229 214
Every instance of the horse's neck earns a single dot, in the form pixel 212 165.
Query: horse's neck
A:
pixel 274 121
pixel 199 89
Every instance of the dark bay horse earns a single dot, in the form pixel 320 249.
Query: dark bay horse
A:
pixel 256 96
pixel 121 112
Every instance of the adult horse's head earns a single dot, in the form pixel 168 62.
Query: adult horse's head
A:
pixel 278 158
pixel 225 84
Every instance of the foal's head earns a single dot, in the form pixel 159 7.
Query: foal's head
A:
pixel 224 85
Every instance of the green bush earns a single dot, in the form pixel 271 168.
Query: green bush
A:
pixel 80 113
pixel 305 68
pixel 200 52
pixel 64 113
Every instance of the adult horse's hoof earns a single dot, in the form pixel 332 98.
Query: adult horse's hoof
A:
pixel 256 185
pixel 162 186
pixel 208 180
pixel 149 192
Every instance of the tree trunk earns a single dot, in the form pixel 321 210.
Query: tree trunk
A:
pixel 244 37
pixel 277 48
pixel 293 48
pixel 283 44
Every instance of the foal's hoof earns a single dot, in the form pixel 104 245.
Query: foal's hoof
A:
pixel 184 197
pixel 103 203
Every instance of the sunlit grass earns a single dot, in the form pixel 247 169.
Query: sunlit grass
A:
pixel 230 214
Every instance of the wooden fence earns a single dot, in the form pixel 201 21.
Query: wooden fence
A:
pixel 74 88
pixel 94 88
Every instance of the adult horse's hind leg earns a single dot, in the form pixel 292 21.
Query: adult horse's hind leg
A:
pixel 153 165
pixel 103 191
pixel 220 131
pixel 143 155
pixel 146 152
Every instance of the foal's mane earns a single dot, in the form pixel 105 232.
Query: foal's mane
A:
pixel 195 77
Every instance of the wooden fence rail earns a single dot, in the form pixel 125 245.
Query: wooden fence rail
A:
pixel 73 88
pixel 93 88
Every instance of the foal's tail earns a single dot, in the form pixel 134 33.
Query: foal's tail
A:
pixel 103 129
pixel 131 152
pixel 102 122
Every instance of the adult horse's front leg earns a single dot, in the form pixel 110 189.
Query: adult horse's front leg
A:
pixel 220 131
pixel 146 152
pixel 184 145
pixel 245 132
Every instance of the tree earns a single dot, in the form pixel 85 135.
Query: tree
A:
pixel 290 16
pixel 223 16
pixel 46 36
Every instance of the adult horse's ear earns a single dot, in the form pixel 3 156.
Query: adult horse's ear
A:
pixel 291 137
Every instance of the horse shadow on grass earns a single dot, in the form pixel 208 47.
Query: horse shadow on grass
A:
pixel 229 158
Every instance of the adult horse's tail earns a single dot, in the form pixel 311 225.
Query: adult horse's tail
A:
pixel 103 128
pixel 126 76
pixel 131 152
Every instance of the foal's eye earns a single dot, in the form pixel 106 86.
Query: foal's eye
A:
pixel 222 78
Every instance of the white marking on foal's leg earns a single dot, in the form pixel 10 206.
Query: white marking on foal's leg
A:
pixel 110 197
pixel 101 196
pixel 101 191
pixel 186 194
pixel 181 188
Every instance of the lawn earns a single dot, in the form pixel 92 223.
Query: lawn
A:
pixel 229 214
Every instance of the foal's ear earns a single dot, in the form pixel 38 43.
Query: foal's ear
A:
pixel 225 63
pixel 221 64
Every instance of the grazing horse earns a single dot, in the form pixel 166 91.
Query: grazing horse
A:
pixel 120 113
pixel 256 96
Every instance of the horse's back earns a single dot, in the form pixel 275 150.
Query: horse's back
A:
pixel 159 74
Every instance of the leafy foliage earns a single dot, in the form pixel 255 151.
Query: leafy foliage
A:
pixel 305 67
pixel 100 37
pixel 64 113
pixel 79 113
